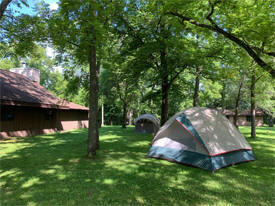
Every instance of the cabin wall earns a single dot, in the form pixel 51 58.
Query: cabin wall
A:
pixel 30 121
pixel 243 120
pixel 72 119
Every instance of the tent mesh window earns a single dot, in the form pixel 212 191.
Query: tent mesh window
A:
pixel 177 137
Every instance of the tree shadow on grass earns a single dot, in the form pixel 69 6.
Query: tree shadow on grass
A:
pixel 54 170
pixel 260 132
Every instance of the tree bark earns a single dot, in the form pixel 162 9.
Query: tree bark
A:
pixel 123 99
pixel 130 116
pixel 102 112
pixel 138 109
pixel 235 118
pixel 252 109
pixel 3 6
pixel 197 86
pixel 97 136
pixel 223 97
pixel 124 121
pixel 93 135
pixel 164 86
pixel 164 99
pixel 270 120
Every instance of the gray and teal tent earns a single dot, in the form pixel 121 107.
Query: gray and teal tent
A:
pixel 203 138
pixel 147 123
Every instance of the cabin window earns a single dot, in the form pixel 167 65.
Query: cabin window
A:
pixel 49 115
pixel 248 118
pixel 7 114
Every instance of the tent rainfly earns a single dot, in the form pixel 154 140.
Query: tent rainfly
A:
pixel 147 123
pixel 203 138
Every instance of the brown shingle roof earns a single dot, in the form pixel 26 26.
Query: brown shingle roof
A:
pixel 16 89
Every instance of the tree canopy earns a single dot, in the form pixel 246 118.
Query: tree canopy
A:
pixel 133 57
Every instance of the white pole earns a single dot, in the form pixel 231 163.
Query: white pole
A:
pixel 102 112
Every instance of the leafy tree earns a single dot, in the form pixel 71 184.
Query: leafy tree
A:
pixel 123 88
pixel 256 74
pixel 19 31
pixel 232 19
pixel 8 59
pixel 78 29
pixel 156 46
pixel 265 97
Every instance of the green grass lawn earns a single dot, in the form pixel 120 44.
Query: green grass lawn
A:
pixel 53 170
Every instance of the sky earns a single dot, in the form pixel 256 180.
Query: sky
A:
pixel 30 10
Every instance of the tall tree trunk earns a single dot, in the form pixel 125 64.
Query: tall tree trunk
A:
pixel 130 116
pixel 3 6
pixel 197 86
pixel 270 120
pixel 97 136
pixel 138 110
pixel 97 89
pixel 252 109
pixel 164 74
pixel 164 99
pixel 235 118
pixel 124 121
pixel 164 89
pixel 102 112
pixel 93 135
pixel 223 96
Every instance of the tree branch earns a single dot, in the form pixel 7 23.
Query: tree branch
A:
pixel 257 49
pixel 212 8
pixel 214 27
pixel 132 31
pixel 172 79
pixel 3 6
pixel 72 43
pixel 269 53
pixel 157 27
pixel 155 62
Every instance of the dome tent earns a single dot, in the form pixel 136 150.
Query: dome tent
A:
pixel 201 137
pixel 147 123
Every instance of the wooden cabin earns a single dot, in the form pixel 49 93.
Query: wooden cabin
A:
pixel 244 117
pixel 28 109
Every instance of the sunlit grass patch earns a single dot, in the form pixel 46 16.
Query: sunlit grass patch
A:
pixel 54 170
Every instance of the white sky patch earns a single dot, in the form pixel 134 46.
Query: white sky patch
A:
pixel 53 6
pixel 59 69
pixel 50 52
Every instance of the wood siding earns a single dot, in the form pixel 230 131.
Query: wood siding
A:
pixel 243 122
pixel 29 121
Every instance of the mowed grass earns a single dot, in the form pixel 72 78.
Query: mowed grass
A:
pixel 53 170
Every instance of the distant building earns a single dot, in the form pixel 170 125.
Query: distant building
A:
pixel 28 109
pixel 244 117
